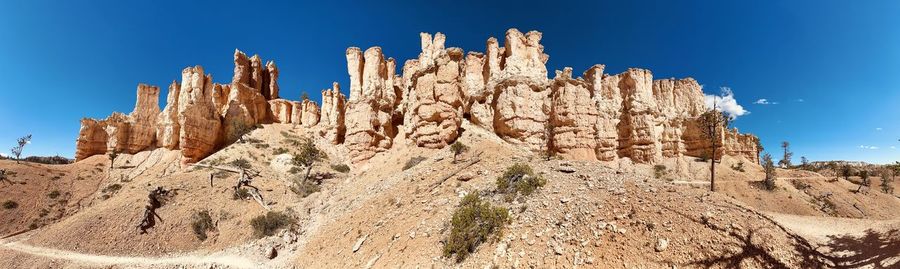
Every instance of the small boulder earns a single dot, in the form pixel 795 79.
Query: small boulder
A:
pixel 662 244
pixel 271 253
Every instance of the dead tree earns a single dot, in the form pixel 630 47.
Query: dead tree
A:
pixel 155 201
pixel 244 180
pixel 17 150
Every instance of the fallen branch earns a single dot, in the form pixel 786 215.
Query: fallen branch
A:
pixel 459 169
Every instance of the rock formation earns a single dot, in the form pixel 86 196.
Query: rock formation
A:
pixel 505 90
pixel 332 117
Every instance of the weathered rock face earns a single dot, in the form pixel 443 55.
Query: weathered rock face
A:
pixel 573 117
pixel 369 116
pixel 280 110
pixel 91 139
pixel 505 90
pixel 332 117
pixel 200 121
pixel 168 130
pixel 310 116
pixel 143 120
pixel 436 98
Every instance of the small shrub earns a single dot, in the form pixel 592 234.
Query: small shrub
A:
pixel 305 188
pixel 241 163
pixel 271 222
pixel 738 167
pixel 458 148
pixel 280 151
pixel 53 194
pixel 240 194
pixel 9 204
pixel 413 162
pixel 202 223
pixel 475 221
pixel 112 188
pixel 769 167
pixel 659 171
pixel 517 179
pixel 343 168
pixel 800 185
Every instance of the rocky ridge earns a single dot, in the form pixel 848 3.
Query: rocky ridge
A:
pixel 506 90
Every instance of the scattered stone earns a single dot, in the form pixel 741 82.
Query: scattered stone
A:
pixel 359 242
pixel 271 253
pixel 662 244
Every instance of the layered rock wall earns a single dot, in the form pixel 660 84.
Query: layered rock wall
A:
pixel 505 90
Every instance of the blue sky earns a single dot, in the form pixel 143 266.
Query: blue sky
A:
pixel 61 61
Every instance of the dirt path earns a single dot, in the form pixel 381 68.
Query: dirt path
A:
pixel 200 261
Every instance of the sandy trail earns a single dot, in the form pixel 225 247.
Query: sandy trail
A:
pixel 203 261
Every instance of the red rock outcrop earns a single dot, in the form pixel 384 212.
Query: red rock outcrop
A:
pixel 200 122
pixel 573 117
pixel 332 117
pixel 436 97
pixel 505 90
pixel 369 116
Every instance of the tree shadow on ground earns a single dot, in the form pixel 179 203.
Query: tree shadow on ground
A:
pixel 873 249
pixel 753 248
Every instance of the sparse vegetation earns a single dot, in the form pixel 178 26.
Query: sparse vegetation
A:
pixel 769 167
pixel 458 148
pixel 239 129
pixel 271 222
pixel 800 185
pixel 240 194
pixel 413 162
pixel 308 155
pixel 20 145
pixel 475 221
pixel 279 151
pixel 241 163
pixel 112 157
pixel 343 168
pixel 711 122
pixel 887 180
pixel 201 223
pixel 112 188
pixel 519 179
pixel 804 163
pixel 53 194
pixel 659 171
pixel 10 204
pixel 304 188
pixel 847 172
pixel 786 158
pixel 864 180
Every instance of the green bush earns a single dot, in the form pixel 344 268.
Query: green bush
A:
pixel 201 222
pixel 343 168
pixel 413 162
pixel 271 222
pixel 458 148
pixel 112 188
pixel 738 167
pixel 475 221
pixel 9 204
pixel 53 194
pixel 519 179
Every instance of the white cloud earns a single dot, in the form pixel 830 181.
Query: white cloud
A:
pixel 3 155
pixel 726 103
pixel 801 100
pixel 868 147
pixel 763 101
pixel 878 129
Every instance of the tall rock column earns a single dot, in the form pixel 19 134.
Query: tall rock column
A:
pixel 435 107
pixel 200 122
pixel 246 105
pixel 369 116
pixel 521 94
pixel 143 120
pixel 168 130
pixel 678 101
pixel 573 117
pixel 332 117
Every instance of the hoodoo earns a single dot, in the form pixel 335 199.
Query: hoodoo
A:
pixel 505 90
